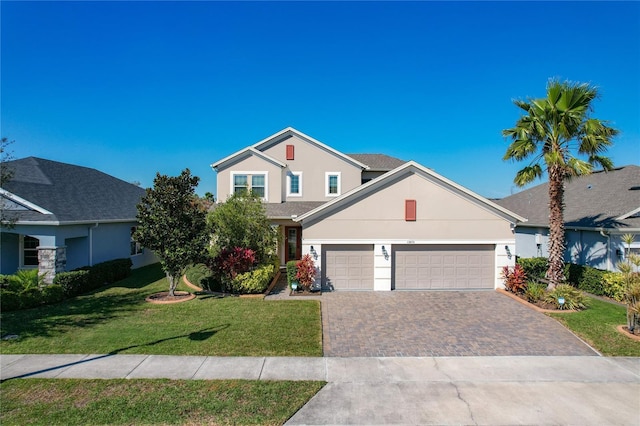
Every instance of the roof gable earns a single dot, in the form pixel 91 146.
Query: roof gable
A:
pixel 410 167
pixel 281 136
pixel 57 192
pixel 243 154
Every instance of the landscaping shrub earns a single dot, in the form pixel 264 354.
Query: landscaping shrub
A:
pixel 30 298
pixel 72 283
pixel 291 271
pixel 52 294
pixel 613 285
pixel 515 279
pixel 573 298
pixel 109 272
pixel 199 275
pixel 534 292
pixel 305 272
pixel 9 300
pixel 591 281
pixel 25 279
pixel 4 281
pixel 253 282
pixel 230 263
pixel 534 267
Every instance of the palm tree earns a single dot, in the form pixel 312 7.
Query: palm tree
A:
pixel 551 132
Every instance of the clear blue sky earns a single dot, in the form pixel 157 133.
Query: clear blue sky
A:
pixel 135 88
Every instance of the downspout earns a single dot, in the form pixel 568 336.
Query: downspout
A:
pixel 608 237
pixel 91 243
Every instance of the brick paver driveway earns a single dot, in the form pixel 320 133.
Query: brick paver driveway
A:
pixel 439 323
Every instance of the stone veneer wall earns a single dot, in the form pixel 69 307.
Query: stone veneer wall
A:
pixel 51 260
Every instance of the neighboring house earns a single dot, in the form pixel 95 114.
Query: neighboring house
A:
pixel 67 217
pixel 599 209
pixel 370 221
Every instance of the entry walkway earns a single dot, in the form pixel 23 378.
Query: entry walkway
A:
pixel 400 390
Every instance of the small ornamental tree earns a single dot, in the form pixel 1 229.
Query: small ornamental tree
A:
pixel 241 221
pixel 172 224
pixel 305 272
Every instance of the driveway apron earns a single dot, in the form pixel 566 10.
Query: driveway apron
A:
pixel 440 323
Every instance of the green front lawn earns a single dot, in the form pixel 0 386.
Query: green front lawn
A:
pixel 597 326
pixel 128 402
pixel 116 319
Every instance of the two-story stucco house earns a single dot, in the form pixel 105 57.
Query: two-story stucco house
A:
pixel 370 221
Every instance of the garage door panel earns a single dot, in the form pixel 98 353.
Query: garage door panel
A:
pixel 444 267
pixel 348 267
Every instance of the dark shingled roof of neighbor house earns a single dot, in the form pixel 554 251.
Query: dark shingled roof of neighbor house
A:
pixel 378 162
pixel 71 193
pixel 599 200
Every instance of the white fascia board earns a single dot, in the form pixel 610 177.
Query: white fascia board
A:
pixel 421 170
pixel 250 150
pixel 73 222
pixel 400 241
pixel 308 138
pixel 626 215
pixel 587 228
pixel 23 202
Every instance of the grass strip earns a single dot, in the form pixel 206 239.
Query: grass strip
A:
pixel 152 402
pixel 117 320
pixel 597 326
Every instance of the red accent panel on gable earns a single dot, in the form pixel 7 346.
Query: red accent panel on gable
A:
pixel 290 151
pixel 410 210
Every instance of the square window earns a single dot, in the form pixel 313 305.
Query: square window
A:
pixel 257 185
pixel 240 183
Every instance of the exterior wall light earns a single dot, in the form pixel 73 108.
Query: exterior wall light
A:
pixel 385 253
pixel 314 253
pixel 506 248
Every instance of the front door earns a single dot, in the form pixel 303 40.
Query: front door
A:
pixel 292 243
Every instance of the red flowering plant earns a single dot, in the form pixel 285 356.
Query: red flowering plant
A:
pixel 305 272
pixel 229 263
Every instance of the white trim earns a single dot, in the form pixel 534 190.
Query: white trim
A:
pixel 249 150
pixel 412 166
pixel 21 252
pixel 626 215
pixel 326 184
pixel 72 222
pixel 405 241
pixel 23 202
pixel 249 174
pixel 289 193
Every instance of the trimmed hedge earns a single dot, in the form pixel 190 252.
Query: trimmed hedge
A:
pixel 65 285
pixel 253 282
pixel 203 277
pixel 613 285
pixel 534 267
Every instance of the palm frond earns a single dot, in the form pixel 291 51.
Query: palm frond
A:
pixel 528 175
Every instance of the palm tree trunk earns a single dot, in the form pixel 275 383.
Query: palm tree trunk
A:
pixel 555 274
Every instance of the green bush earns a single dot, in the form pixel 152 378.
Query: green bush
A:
pixel 292 270
pixel 4 281
pixel 109 272
pixel 52 294
pixel 9 300
pixel 613 285
pixel 573 273
pixel 534 291
pixel 253 282
pixel 72 283
pixel 534 267
pixel 573 298
pixel 591 281
pixel 30 298
pixel 201 276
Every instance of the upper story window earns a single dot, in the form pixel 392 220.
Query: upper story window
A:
pixel 255 182
pixel 294 184
pixel 332 184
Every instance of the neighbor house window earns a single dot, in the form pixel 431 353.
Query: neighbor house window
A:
pixel 294 184
pixel 332 180
pixel 136 248
pixel 256 182
pixel 30 251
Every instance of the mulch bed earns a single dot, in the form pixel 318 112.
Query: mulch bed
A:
pixel 539 306
pixel 164 298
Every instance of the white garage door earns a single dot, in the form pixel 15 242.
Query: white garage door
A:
pixel 443 267
pixel 348 267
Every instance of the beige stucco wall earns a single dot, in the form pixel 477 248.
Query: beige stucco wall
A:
pixel 251 164
pixel 442 215
pixel 313 162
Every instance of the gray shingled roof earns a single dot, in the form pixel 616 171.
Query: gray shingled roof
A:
pixel 378 162
pixel 290 208
pixel 592 201
pixel 72 193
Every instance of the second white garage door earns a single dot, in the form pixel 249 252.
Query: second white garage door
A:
pixel 443 267
pixel 348 267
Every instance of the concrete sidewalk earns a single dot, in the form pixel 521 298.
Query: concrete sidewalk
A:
pixel 432 390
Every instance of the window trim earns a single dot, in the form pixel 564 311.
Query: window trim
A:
pixel 249 174
pixel 21 254
pixel 294 194
pixel 139 250
pixel 327 175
